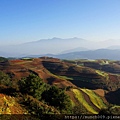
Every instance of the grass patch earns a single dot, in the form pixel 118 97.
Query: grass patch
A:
pixel 60 76
pixel 73 104
pixel 95 99
pixel 80 97
pixel 101 73
pixel 65 77
pixel 80 78
pixel 116 106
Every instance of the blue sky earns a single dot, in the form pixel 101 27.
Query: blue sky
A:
pixel 30 20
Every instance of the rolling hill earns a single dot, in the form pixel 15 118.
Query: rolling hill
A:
pixel 90 90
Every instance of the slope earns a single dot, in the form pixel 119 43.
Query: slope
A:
pixel 64 75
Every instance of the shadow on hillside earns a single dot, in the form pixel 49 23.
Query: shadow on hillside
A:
pixel 113 97
pixel 50 80
pixel 7 90
pixel 83 84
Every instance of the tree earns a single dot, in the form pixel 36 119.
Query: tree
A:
pixel 52 95
pixel 2 59
pixel 5 79
pixel 57 98
pixel 32 85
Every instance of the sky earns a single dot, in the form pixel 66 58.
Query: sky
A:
pixel 31 20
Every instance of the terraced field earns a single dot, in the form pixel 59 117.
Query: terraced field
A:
pixel 94 98
pixel 89 88
pixel 91 101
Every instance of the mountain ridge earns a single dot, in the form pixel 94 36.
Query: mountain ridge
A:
pixel 89 54
pixel 56 46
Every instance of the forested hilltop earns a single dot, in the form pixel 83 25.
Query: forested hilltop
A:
pixel 45 85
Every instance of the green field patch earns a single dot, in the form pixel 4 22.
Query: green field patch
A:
pixel 65 77
pixel 73 104
pixel 82 100
pixel 95 99
pixel 27 59
pixel 101 73
pixel 86 79
pixel 60 77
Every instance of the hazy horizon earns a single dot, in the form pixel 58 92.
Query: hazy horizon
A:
pixel 32 41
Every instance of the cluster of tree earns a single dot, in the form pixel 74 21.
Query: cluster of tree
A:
pixel 49 95
pixel 56 97
pixel 5 79
pixel 2 59
pixel 37 96
pixel 32 85
pixel 41 98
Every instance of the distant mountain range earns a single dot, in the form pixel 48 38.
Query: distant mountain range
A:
pixel 114 47
pixel 71 48
pixel 75 50
pixel 92 54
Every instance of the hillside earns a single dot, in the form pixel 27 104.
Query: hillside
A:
pixel 84 76
pixel 88 89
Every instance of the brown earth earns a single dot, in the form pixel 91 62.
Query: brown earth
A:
pixel 100 92
pixel 49 69
pixel 22 68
